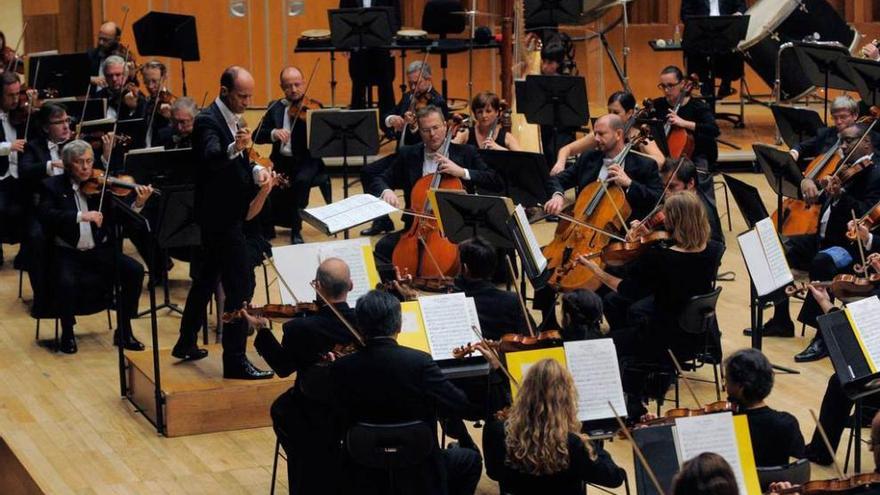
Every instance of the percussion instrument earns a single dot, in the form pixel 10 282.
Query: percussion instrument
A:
pixel 412 37
pixel 773 23
pixel 314 38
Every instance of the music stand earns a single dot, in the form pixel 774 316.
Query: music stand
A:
pixel 782 173
pixel 96 108
pixel 524 174
pixel 555 101
pixel 67 74
pixel 134 128
pixel 867 80
pixel 553 12
pixel 357 29
pixel 796 124
pixel 163 34
pixel 465 216
pixel 826 66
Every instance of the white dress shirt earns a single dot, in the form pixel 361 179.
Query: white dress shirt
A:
pixel 714 9
pixel 6 146
pixel 86 240
pixel 286 149
pixel 232 121
pixel 53 155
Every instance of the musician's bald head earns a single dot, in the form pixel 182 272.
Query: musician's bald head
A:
pixel 334 279
pixel 108 36
pixel 292 83
pixel 236 88
pixel 608 132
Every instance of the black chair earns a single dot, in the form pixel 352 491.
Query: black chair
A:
pixel 796 473
pixel 390 447
pixel 868 413
pixel 279 452
pixel 699 318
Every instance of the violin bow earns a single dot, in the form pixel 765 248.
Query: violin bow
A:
pixel 827 444
pixel 497 356
pixel 687 380
pixel 854 148
pixel 303 99
pixel 27 124
pixel 637 450
pixel 82 116
pixel 155 106
pixel 519 297
pixel 616 209
pixel 432 258
pixel 665 188
pixel 281 278
pixel 112 140
pixel 585 224
pixel 357 335
pixel 412 98
pixel 17 46
pixel 859 241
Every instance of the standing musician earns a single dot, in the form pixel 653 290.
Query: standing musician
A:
pixel 539 448
pixel 421 88
pixel 85 244
pixel 725 67
pixel 222 199
pixel 373 66
pixel 11 146
pixel 153 74
pixel 290 153
pixel 670 276
pixel 134 105
pixel 415 161
pixel 489 131
pixel 178 133
pixel 108 44
pixel 304 426
pixel 623 105
pixel 828 251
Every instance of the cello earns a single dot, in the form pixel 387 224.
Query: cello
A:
pixel 423 250
pixel 681 141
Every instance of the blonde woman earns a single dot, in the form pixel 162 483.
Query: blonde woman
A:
pixel 539 448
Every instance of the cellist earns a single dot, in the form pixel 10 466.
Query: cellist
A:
pixel 415 161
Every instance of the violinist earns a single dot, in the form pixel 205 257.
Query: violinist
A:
pixel 153 74
pixel 421 88
pixel 108 44
pixel 623 105
pixel 844 113
pixel 133 102
pixel 705 474
pixel 489 131
pixel 581 315
pixel 304 426
pixel 413 162
pixel 290 154
pixel 42 154
pixel 829 252
pixel 11 146
pixel 539 448
pixel 84 242
pixel 776 435
pixel 662 281
pixel 685 177
pixel 8 57
pixel 178 133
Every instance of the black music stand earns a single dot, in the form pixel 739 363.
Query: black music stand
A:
pixel 710 37
pixel 782 173
pixel 826 66
pixel 442 17
pixel 136 129
pixel 358 29
pixel 67 74
pixel 95 108
pixel 868 79
pixel 555 101
pixel 524 174
pixel 796 124
pixel 163 34
pixel 465 216
pixel 553 12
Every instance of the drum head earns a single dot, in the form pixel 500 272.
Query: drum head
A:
pixel 764 17
pixel 412 33
pixel 315 33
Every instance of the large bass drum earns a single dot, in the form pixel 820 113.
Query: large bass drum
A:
pixel 775 22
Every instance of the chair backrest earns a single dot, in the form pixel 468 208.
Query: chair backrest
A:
pixel 718 264
pixel 699 313
pixel 390 446
pixel 796 473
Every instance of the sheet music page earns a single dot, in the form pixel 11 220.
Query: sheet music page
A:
pixel 593 365
pixel 759 269
pixel 711 433
pixel 298 264
pixel 447 323
pixel 532 244
pixel 347 213
pixel 864 316
pixel 779 269
pixel 473 316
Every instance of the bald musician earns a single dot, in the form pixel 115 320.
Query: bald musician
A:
pixel 108 43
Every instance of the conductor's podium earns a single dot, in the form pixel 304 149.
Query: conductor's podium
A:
pixel 197 399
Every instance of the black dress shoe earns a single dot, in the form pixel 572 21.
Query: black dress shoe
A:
pixel 192 353
pixel 296 238
pixel 129 341
pixel 814 352
pixel 818 455
pixel 774 328
pixel 379 227
pixel 67 344
pixel 242 369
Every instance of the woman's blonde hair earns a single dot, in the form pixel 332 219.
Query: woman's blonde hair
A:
pixel 687 219
pixel 540 420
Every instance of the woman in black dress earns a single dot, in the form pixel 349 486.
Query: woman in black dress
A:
pixel 539 449
pixel 488 131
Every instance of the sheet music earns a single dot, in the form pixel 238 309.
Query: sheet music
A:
pixel 778 265
pixel 350 212
pixel 532 245
pixel 710 433
pixel 298 264
pixel 593 365
pixel 473 316
pixel 446 324
pixel 865 317
pixel 759 269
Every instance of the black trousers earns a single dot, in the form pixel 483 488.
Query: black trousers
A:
pixel 11 211
pixel 74 265
pixel 724 67
pixel 287 203
pixel 834 415
pixel 372 67
pixel 803 253
pixel 225 260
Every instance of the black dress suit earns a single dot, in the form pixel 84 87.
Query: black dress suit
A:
pixel 414 137
pixel 642 194
pixel 824 139
pixel 300 167
pixel 125 113
pixel 691 8
pixel 726 66
pixel 224 189
pixel 11 199
pixel 32 168
pixel 373 66
pixel 304 426
pixel 58 214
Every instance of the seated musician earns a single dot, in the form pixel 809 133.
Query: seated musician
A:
pixel 726 67
pixel 539 448
pixel 303 426
pixel 42 154
pixel 290 153
pixel 153 74
pixel 776 435
pixel 413 162
pixel 705 474
pixel 85 244
pixel 421 87
pixel 133 105
pixel 488 131
pixel 686 178
pixel 662 281
pixel 178 133
pixel 581 315
pixel 694 116
pixel 623 105
pixel 828 252
pixel 107 44
pixel 844 113
pixel 11 147
pixel 385 383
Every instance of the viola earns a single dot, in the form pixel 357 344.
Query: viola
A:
pixel 120 185
pixel 681 141
pixel 273 311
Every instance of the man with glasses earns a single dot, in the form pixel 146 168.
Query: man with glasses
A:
pixel 178 133
pixel 413 162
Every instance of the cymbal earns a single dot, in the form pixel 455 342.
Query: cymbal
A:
pixel 475 13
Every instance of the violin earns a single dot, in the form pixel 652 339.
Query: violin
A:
pixel 299 108
pixel 681 141
pixel 843 285
pixel 683 412
pixel 443 285
pixel 273 311
pixel 514 342
pixel 869 220
pixel 121 185
pixel 95 138
pixel 859 483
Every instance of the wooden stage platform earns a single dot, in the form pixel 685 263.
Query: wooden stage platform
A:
pixel 196 397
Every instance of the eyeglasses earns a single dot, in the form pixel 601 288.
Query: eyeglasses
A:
pixel 665 86
pixel 59 122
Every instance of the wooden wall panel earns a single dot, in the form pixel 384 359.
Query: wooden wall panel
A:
pixel 40 7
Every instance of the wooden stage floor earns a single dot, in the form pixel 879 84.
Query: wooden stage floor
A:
pixel 63 418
